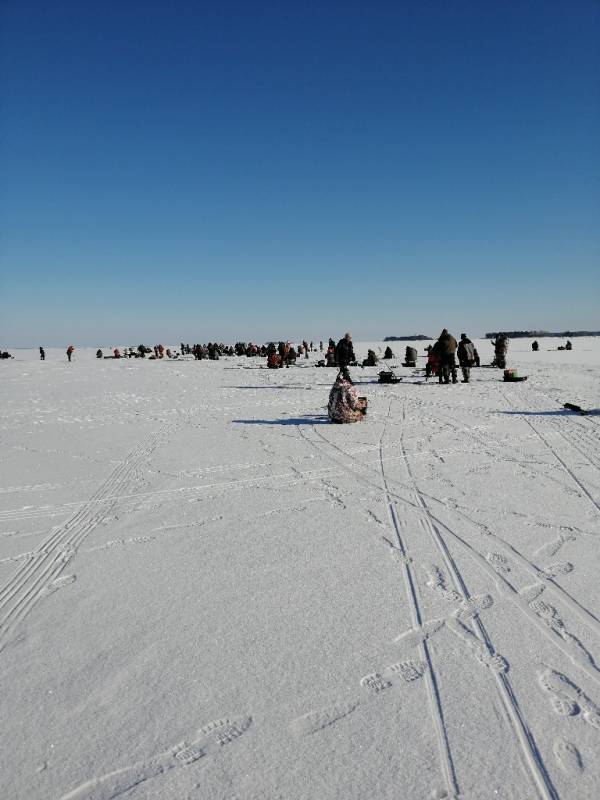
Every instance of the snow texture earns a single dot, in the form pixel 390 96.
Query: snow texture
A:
pixel 208 591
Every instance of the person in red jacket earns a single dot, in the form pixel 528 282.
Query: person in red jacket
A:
pixel 70 349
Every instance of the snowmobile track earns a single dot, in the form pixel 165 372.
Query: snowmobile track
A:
pixel 31 580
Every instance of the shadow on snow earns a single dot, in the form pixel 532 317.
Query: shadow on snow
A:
pixel 563 412
pixel 320 419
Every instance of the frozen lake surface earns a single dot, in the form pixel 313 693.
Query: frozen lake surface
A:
pixel 208 591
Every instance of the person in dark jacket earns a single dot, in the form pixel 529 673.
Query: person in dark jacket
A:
pixel 466 356
pixel 388 353
pixel 500 345
pixel 344 352
pixel 410 357
pixel 371 359
pixel 42 354
pixel 535 346
pixel 445 349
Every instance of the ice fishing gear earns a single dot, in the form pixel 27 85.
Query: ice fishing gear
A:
pixel 388 376
pixel 511 376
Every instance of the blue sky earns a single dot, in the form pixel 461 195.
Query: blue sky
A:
pixel 250 170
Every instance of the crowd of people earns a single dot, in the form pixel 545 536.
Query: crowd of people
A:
pixel 442 360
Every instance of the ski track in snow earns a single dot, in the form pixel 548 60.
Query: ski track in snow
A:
pixel 38 575
pixel 479 643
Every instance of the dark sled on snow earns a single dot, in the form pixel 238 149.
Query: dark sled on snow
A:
pixel 387 376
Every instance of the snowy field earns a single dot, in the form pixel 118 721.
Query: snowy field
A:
pixel 208 591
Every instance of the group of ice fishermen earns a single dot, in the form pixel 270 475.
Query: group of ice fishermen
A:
pixel 344 404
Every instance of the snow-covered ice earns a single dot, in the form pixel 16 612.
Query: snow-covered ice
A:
pixel 208 591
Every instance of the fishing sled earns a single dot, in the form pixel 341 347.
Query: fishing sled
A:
pixel 511 376
pixel 387 376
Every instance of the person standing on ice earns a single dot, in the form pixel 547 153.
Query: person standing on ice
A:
pixel 42 354
pixel 344 353
pixel 70 349
pixel 466 356
pixel 445 348
pixel 500 345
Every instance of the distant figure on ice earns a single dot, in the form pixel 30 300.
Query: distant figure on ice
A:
pixel 99 353
pixel 388 353
pixel 344 403
pixel 42 354
pixel 568 345
pixel 466 356
pixel 117 353
pixel 445 349
pixel 70 349
pixel 535 346
pixel 410 357
pixel 371 359
pixel 500 346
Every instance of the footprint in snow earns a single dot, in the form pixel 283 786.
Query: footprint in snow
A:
pixel 567 756
pixel 207 739
pixel 58 583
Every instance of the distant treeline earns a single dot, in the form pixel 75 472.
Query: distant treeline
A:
pixel 416 338
pixel 542 334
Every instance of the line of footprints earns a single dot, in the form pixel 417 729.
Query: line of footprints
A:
pixel 565 697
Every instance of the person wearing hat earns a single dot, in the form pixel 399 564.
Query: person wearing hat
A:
pixel 445 348
pixel 466 356
pixel 500 345
pixel 344 403
pixel 344 352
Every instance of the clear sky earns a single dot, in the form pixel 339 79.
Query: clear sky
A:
pixel 251 170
